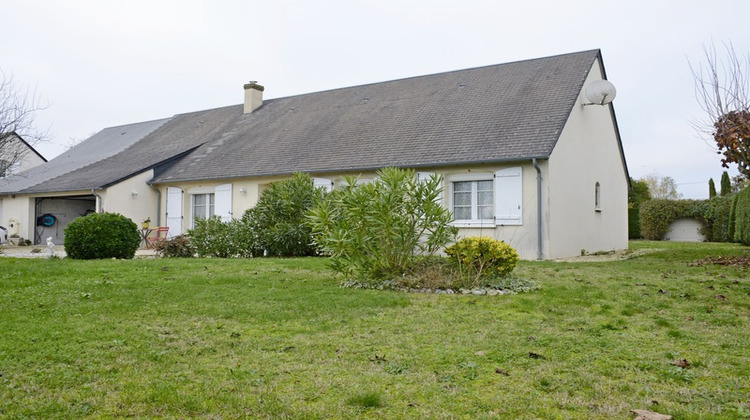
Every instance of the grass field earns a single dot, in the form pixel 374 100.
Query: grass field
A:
pixel 277 338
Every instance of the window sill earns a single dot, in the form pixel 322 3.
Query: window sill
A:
pixel 474 223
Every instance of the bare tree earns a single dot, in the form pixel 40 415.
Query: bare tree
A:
pixel 661 187
pixel 722 88
pixel 18 108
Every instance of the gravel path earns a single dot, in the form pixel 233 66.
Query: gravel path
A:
pixel 38 251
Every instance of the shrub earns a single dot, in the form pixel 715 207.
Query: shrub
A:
pixel 278 220
pixel 634 223
pixel 214 238
pixel 742 217
pixel 716 217
pixel 480 258
pixel 378 231
pixel 101 235
pixel 178 246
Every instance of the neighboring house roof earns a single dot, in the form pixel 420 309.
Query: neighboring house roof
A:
pixel 24 143
pixel 505 112
pixel 104 144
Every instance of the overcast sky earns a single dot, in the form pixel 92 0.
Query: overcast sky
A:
pixel 100 64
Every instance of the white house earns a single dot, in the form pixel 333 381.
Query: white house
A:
pixel 523 159
pixel 16 156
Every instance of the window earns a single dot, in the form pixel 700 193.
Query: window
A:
pixel 472 200
pixel 597 197
pixel 481 199
pixel 4 168
pixel 203 206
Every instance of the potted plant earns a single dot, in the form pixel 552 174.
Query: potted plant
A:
pixel 146 223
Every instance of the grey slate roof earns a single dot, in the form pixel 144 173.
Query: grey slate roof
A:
pixel 496 113
pixel 505 112
pixel 106 143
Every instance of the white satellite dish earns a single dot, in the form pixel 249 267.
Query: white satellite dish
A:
pixel 600 92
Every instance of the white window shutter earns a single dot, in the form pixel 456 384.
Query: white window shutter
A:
pixel 323 183
pixel 174 211
pixel 508 196
pixel 223 202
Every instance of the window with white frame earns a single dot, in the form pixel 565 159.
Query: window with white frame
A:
pixel 487 198
pixel 472 200
pixel 203 206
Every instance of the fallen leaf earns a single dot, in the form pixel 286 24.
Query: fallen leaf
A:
pixel 502 371
pixel 721 297
pixel 683 363
pixel 536 356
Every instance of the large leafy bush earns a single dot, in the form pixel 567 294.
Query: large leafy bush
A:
pixel 214 238
pixel 279 222
pixel 101 235
pixel 378 231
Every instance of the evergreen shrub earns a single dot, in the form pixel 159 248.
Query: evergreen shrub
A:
pixel 377 232
pixel 100 236
pixel 213 237
pixel 279 222
pixel 480 258
pixel 742 217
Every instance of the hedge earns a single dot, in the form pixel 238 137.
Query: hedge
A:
pixel 742 217
pixel 657 215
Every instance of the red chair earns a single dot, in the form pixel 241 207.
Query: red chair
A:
pixel 161 233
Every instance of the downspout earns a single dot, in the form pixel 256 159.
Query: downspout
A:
pixel 158 204
pixel 538 209
pixel 99 200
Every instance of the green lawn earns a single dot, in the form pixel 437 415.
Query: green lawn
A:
pixel 277 338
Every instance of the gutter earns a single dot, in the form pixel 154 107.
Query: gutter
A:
pixel 538 209
pixel 99 200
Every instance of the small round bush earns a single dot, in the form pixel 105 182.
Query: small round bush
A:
pixel 479 258
pixel 101 235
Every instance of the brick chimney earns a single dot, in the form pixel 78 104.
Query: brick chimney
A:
pixel 253 96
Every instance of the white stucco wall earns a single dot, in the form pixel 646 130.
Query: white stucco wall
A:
pixel 522 237
pixel 120 198
pixel 587 153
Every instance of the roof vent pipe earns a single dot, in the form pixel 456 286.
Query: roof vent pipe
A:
pixel 253 96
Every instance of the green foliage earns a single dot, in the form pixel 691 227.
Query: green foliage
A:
pixel 214 238
pixel 657 215
pixel 481 258
pixel 279 219
pixel 732 219
pixel 634 223
pixel 378 231
pixel 637 195
pixel 513 284
pixel 101 235
pixel 742 217
pixel 715 215
pixel 726 184
pixel 178 246
pixel 711 188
